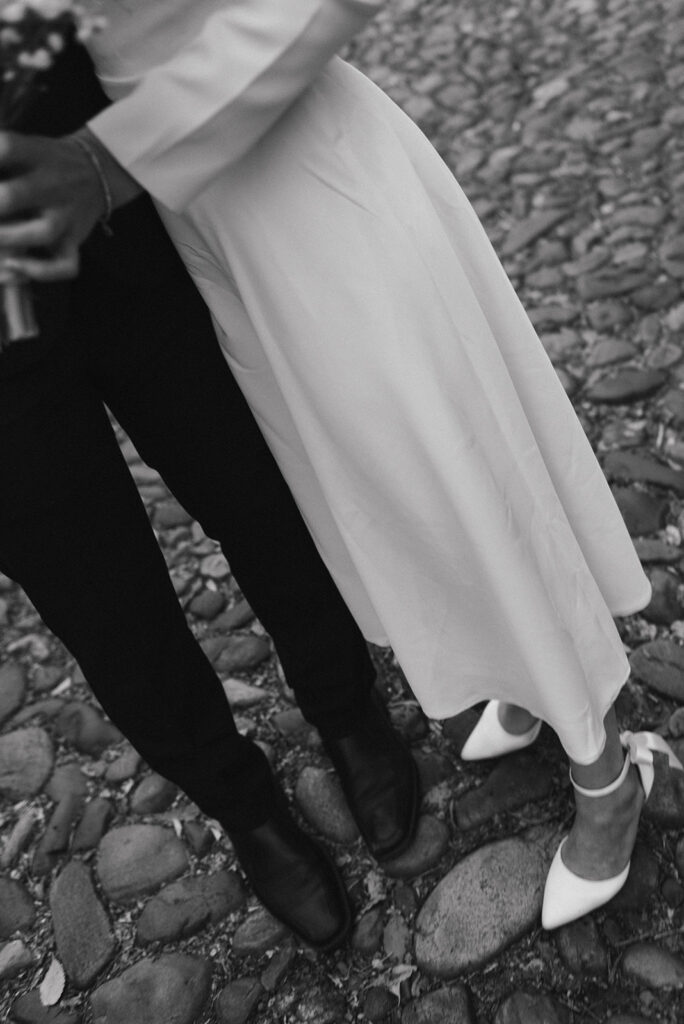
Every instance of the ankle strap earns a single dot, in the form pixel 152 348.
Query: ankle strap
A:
pixel 605 790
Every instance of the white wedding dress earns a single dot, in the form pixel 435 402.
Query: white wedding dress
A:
pixel 429 444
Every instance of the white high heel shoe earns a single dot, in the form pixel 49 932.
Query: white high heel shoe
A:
pixel 567 896
pixel 490 739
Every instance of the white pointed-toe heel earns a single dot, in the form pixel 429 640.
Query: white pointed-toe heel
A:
pixel 490 739
pixel 567 896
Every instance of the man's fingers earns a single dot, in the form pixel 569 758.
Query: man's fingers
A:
pixel 18 196
pixel 42 232
pixel 15 149
pixel 60 267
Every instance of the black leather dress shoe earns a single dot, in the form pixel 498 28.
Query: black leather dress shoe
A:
pixel 295 879
pixel 380 781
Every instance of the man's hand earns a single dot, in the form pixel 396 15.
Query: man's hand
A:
pixel 51 197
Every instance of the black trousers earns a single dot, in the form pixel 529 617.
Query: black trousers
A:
pixel 75 535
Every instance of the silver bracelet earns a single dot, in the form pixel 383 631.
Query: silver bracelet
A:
pixel 92 155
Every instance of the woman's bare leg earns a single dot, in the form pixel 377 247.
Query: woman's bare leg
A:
pixel 603 834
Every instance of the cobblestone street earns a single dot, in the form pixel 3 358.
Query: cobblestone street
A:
pixel 121 904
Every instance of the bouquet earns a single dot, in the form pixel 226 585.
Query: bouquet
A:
pixel 32 34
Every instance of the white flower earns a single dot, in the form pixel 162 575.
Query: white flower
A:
pixel 49 8
pixel 55 42
pixel 39 60
pixel 9 37
pixel 13 11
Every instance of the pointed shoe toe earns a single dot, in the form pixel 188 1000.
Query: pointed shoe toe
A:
pixel 490 739
pixel 568 897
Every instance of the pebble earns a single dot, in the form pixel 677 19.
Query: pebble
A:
pixel 650 965
pixel 26 760
pixel 378 1003
pixel 320 1003
pixel 259 932
pixel 396 938
pixel 632 467
pixel 433 768
pixel 199 837
pixel 154 793
pixel 628 1018
pixel 650 549
pixel 55 840
pixel 424 853
pixel 641 886
pixel 12 689
pixel 606 314
pixel 124 767
pixel 514 782
pixel 67 781
pixel 207 604
pixel 642 512
pixel 83 933
pixel 409 721
pixel 28 1009
pixel 278 966
pixel 528 1008
pixel 664 606
pixel 240 695
pixel 84 727
pixel 609 351
pixel 185 907
pixel 660 294
pixel 215 566
pixel 660 664
pixel 449 1004
pixel 581 948
pixel 236 1002
pixel 92 825
pixel 136 859
pixel 15 957
pixel 19 836
pixel 664 356
pixel 626 386
pixel 146 476
pixel 242 651
pixel 239 614
pixel 673 404
pixel 169 514
pixel 489 899
pixel 38 710
pixel 292 726
pixel 560 344
pixel 319 796
pixel 673 892
pixel 17 911
pixel 609 283
pixel 174 987
pixel 45 677
pixel 533 227
pixel 367 934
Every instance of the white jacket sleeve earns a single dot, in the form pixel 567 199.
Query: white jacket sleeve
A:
pixel 208 105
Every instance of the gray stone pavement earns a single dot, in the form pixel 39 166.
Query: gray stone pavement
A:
pixel 119 902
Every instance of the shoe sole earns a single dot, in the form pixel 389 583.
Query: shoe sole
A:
pixel 338 938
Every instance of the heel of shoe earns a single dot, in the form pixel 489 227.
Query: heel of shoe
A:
pixel 490 739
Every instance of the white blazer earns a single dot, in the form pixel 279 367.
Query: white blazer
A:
pixel 188 73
